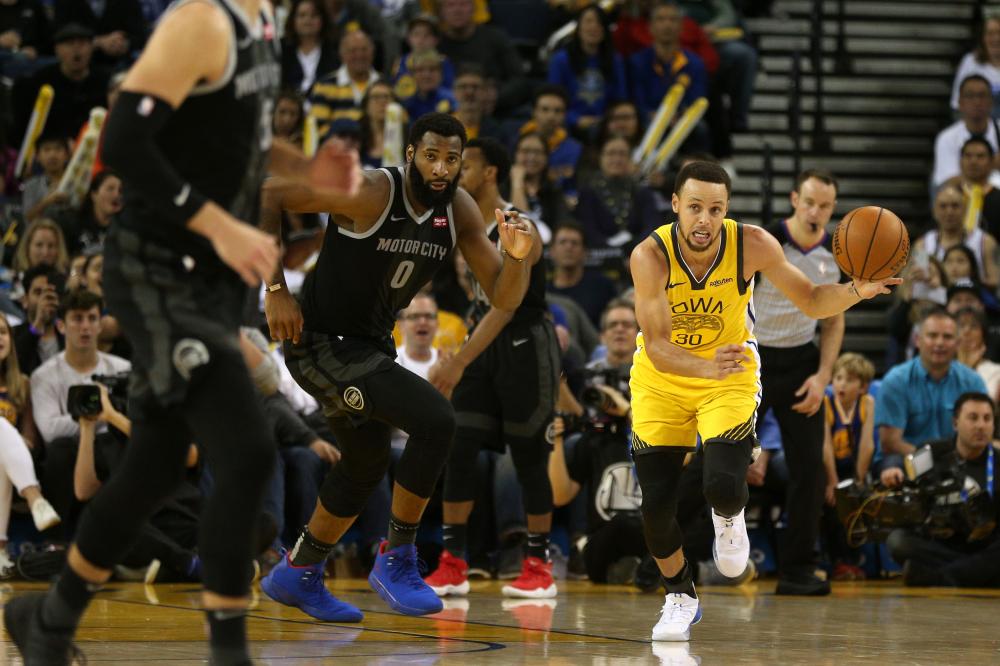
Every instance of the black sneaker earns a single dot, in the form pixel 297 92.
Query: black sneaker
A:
pixel 917 575
pixel 802 584
pixel 38 645
pixel 576 568
pixel 647 575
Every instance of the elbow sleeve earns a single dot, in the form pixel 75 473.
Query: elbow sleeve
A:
pixel 130 149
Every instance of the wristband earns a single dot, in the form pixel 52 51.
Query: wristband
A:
pixel 277 286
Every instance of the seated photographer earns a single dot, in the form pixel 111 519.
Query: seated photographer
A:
pixel 599 462
pixel 79 322
pixel 915 402
pixel 970 555
pixel 170 536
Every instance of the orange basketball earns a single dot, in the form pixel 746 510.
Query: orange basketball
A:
pixel 871 243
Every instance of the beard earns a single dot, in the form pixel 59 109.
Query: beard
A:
pixel 426 195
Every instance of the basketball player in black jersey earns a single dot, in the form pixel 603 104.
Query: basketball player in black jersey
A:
pixel 190 134
pixel 505 379
pixel 389 240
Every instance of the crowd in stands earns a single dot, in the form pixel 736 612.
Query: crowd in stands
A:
pixel 572 111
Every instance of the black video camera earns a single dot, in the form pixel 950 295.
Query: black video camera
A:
pixel 940 501
pixel 595 402
pixel 85 399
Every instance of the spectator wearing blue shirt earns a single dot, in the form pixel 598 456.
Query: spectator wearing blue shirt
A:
pixel 590 70
pixel 548 119
pixel 916 399
pixel 430 95
pixel 654 70
pixel 421 35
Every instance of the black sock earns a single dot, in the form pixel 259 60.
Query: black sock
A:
pixel 455 538
pixel 66 600
pixel 538 545
pixel 401 533
pixel 309 550
pixel 682 583
pixel 227 629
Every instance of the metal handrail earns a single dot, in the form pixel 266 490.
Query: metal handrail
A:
pixel 842 61
pixel 767 185
pixel 820 139
pixel 795 111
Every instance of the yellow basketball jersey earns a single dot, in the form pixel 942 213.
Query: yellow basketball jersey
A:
pixel 707 311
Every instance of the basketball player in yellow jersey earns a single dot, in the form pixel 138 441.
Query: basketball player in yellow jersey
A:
pixel 697 371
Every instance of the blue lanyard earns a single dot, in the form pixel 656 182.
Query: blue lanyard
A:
pixel 989 470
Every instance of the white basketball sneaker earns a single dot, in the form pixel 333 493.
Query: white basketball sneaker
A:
pixel 44 515
pixel 732 545
pixel 679 612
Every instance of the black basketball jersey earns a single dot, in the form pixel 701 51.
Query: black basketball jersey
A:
pixel 362 280
pixel 533 306
pixel 219 139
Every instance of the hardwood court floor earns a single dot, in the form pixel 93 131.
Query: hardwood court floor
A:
pixel 586 624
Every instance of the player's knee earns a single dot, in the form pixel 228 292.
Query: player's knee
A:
pixel 438 428
pixel 725 484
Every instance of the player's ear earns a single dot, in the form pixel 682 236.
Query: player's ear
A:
pixel 675 202
pixel 410 151
pixel 794 198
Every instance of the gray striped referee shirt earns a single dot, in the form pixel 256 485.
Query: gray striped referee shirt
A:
pixel 779 323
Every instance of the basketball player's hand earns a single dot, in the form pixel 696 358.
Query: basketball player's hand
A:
pixel 866 289
pixel 515 234
pixel 446 374
pixel 284 316
pixel 729 360
pixel 337 167
pixel 813 389
pixel 252 253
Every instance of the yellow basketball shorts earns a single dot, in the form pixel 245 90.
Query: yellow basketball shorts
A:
pixel 675 416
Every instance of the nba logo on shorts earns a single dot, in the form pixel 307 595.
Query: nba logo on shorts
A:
pixel 353 398
pixel 440 222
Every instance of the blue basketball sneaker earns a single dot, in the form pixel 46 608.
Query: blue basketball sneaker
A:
pixel 303 588
pixel 396 578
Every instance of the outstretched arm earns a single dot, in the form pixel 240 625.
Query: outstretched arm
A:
pixel 764 254
pixel 652 308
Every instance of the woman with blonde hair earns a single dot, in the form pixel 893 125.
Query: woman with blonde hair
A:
pixel 42 243
pixel 18 436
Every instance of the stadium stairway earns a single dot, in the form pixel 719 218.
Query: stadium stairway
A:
pixel 881 114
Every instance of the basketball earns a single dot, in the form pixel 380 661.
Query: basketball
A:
pixel 871 243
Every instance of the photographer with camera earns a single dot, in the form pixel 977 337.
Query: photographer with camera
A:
pixel 80 322
pixel 598 461
pixel 965 464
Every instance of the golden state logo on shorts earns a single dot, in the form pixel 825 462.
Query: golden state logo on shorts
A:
pixel 696 322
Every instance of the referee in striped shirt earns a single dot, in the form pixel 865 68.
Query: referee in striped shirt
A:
pixel 795 373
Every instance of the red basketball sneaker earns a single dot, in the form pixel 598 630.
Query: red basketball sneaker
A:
pixel 535 581
pixel 451 576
